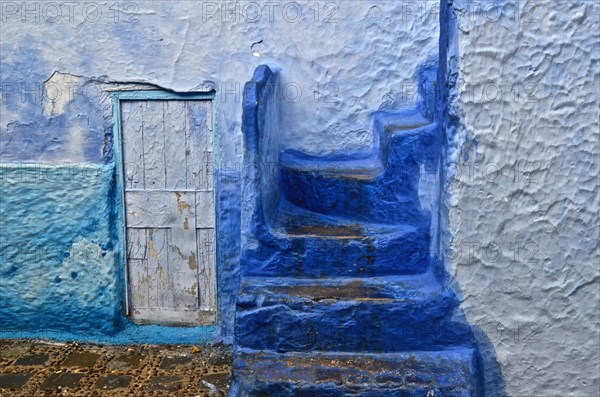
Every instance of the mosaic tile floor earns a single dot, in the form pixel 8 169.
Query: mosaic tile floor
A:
pixel 33 368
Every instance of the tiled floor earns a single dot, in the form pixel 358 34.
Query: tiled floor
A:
pixel 29 368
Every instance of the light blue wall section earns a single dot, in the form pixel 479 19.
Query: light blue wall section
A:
pixel 59 271
pixel 61 243
pixel 58 253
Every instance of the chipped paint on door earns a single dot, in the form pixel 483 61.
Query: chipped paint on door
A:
pixel 170 210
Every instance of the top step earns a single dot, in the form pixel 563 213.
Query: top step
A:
pixel 358 166
pixel 400 121
pixel 382 187
pixel 362 168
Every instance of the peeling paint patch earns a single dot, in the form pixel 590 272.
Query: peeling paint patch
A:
pixel 181 204
pixel 153 252
pixel 192 261
pixel 58 92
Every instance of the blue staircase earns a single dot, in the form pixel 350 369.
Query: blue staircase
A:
pixel 340 295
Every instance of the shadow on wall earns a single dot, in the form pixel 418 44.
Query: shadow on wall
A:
pixel 492 380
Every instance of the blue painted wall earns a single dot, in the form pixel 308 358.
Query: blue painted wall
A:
pixel 59 269
pixel 56 112
pixel 58 251
pixel 61 244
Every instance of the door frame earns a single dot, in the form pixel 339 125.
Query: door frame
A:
pixel 153 94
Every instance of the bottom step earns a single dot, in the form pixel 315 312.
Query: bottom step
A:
pixel 451 372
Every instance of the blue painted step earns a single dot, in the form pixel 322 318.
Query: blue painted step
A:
pixel 383 187
pixel 451 372
pixel 302 243
pixel 338 295
pixel 382 314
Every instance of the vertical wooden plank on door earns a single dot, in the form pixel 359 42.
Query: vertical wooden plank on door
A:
pixel 209 158
pixel 208 300
pixel 133 143
pixel 196 140
pixel 139 283
pixel 205 221
pixel 207 275
pixel 154 145
pixel 175 148
pixel 158 260
pixel 138 266
pixel 200 122
pixel 183 253
pixel 133 164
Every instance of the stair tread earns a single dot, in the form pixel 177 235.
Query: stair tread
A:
pixel 357 166
pixel 408 288
pixel 402 121
pixel 342 166
pixel 294 221
pixel 374 314
pixel 350 357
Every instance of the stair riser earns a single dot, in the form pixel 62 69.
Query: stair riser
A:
pixel 375 201
pixel 359 328
pixel 445 373
pixel 245 388
pixel 318 257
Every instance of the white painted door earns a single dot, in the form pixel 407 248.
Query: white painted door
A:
pixel 170 211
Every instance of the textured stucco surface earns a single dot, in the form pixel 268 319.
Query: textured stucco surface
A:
pixel 522 191
pixel 58 267
pixel 328 90
pixel 521 206
pixel 57 66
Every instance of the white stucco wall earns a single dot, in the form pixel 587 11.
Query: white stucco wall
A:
pixel 522 197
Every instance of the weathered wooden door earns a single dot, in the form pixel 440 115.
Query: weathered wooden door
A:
pixel 170 212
